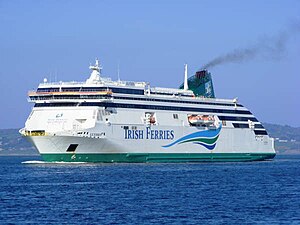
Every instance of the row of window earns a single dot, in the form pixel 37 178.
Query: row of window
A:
pixel 138 106
pixel 34 98
pixel 95 89
pixel 240 125
pixel 245 125
pixel 260 132
pixel 170 94
pixel 259 126
pixel 53 97
pixel 234 118
pixel 174 101
pixel 47 90
pixel 60 104
pixel 113 89
pixel 127 91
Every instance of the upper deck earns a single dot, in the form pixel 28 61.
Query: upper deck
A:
pixel 102 88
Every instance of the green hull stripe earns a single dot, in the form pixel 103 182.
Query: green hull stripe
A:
pixel 157 157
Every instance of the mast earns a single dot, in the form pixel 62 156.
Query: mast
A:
pixel 185 86
pixel 96 72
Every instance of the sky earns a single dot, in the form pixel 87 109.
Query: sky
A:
pixel 151 41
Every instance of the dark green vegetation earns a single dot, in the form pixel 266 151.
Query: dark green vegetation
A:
pixel 12 143
pixel 287 140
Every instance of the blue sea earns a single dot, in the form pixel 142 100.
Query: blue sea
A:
pixel 34 192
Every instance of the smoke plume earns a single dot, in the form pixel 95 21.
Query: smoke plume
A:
pixel 268 48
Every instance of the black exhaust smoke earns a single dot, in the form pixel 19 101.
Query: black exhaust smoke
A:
pixel 270 48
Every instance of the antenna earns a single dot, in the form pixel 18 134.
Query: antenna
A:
pixel 185 86
pixel 55 78
pixel 118 71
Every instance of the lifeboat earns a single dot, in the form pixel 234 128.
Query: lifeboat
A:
pixel 201 119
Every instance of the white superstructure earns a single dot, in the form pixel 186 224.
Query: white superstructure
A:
pixel 101 120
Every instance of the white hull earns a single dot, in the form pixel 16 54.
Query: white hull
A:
pixel 230 141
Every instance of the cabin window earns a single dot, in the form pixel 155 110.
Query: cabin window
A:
pixel 175 116
pixel 259 126
pixel 260 132
pixel 240 125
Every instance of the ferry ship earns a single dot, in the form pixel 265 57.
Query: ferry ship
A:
pixel 101 120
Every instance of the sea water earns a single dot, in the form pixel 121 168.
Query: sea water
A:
pixel 35 192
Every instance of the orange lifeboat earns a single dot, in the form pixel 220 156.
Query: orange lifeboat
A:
pixel 201 119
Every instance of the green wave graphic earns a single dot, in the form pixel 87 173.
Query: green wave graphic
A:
pixel 208 141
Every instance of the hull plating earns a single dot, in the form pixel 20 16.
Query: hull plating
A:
pixel 197 146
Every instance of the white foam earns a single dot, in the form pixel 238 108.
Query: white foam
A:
pixel 33 162
pixel 43 162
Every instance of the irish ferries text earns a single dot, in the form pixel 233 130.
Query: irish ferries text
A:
pixel 149 134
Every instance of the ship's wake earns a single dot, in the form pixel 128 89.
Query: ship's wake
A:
pixel 43 162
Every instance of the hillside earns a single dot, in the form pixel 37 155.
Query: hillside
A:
pixel 287 140
pixel 12 143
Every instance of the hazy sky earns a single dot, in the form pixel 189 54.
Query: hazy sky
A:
pixel 152 40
